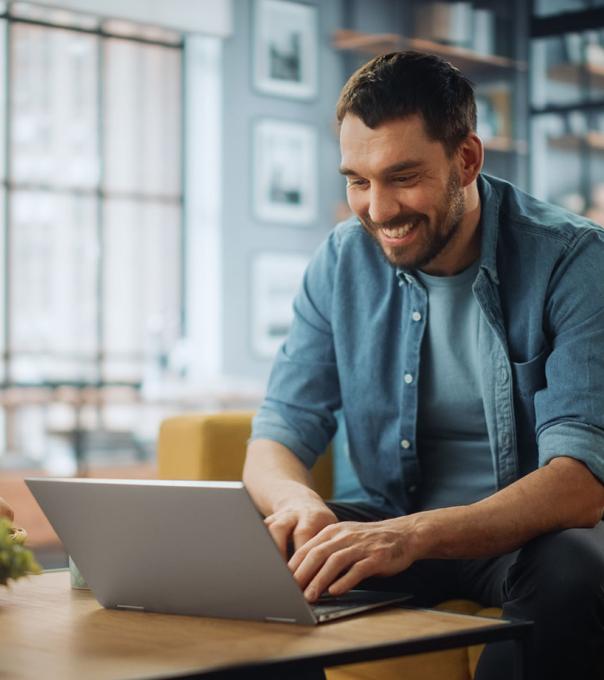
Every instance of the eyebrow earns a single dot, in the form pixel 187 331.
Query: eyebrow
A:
pixel 397 167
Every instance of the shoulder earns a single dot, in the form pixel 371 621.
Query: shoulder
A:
pixel 527 219
pixel 348 242
pixel 349 233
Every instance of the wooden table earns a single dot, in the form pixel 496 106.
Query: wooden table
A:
pixel 48 630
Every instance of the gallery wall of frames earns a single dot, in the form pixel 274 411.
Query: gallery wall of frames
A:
pixel 281 186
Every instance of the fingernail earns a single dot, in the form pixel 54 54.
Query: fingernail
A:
pixel 310 594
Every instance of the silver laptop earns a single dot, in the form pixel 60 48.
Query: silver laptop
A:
pixel 195 548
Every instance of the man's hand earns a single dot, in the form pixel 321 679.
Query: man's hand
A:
pixel 299 519
pixel 6 510
pixel 344 554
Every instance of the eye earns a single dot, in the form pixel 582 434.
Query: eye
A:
pixel 355 182
pixel 404 179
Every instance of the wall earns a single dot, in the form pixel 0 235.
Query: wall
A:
pixel 209 17
pixel 243 235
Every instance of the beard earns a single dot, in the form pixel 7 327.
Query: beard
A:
pixel 432 238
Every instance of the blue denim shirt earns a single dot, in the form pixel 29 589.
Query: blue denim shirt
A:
pixel 355 336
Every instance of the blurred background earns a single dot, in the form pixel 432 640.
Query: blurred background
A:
pixel 168 168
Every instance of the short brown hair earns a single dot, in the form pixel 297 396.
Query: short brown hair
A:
pixel 402 84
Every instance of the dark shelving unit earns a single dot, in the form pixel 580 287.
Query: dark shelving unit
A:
pixel 567 109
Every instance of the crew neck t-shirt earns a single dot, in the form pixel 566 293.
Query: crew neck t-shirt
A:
pixel 455 459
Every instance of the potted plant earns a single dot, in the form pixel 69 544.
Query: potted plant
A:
pixel 15 559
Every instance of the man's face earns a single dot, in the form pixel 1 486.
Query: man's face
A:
pixel 405 190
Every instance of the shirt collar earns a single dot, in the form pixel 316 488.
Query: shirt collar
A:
pixel 489 223
pixel 489 219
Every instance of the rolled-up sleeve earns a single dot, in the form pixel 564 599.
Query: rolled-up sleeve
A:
pixel 303 390
pixel 570 410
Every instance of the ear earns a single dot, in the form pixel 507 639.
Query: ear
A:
pixel 470 156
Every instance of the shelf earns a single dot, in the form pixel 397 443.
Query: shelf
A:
pixel 366 43
pixel 466 60
pixel 591 140
pixel 572 73
pixel 505 145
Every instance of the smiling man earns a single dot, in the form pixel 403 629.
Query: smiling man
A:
pixel 458 324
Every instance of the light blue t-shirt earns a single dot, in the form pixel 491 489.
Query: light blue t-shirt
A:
pixel 455 461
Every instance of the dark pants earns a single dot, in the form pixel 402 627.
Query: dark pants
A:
pixel 555 580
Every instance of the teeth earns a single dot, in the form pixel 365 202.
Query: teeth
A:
pixel 398 232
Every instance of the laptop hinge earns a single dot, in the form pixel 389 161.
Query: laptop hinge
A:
pixel 279 619
pixel 136 607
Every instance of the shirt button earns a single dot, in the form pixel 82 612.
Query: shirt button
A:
pixel 405 443
pixel 416 316
pixel 412 488
pixel 408 378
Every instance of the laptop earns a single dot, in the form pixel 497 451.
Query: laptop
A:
pixel 183 547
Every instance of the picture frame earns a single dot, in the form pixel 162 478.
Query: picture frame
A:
pixel 285 46
pixel 285 172
pixel 275 279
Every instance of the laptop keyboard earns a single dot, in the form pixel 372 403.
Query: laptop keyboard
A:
pixel 328 604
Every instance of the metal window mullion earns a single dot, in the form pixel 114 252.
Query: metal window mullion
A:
pixel 9 426
pixel 100 32
pixel 93 191
pixel 100 209
pixel 183 192
pixel 7 203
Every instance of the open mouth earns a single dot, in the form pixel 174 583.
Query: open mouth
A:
pixel 399 233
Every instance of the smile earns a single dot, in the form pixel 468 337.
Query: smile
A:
pixel 398 234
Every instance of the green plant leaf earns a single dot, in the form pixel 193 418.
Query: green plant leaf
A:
pixel 15 560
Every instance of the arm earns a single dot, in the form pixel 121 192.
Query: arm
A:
pixel 281 487
pixel 561 495
pixel 296 422
pixel 6 510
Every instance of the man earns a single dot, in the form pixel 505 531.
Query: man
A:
pixel 459 325
pixel 5 509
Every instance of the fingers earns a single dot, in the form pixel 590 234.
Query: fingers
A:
pixel 357 573
pixel 343 555
pixel 301 535
pixel 330 552
pixel 299 525
pixel 327 533
pixel 281 528
pixel 329 571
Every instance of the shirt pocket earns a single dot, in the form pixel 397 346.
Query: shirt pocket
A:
pixel 528 377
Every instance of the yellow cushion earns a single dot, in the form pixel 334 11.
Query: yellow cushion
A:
pixel 475 651
pixel 451 664
pixel 212 446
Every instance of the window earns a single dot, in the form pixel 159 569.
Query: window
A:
pixel 94 199
pixel 91 202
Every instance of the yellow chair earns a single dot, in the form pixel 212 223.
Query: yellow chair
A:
pixel 212 447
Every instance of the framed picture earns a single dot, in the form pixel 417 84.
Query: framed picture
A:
pixel 276 278
pixel 285 172
pixel 285 49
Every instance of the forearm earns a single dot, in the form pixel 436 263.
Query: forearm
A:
pixel 561 495
pixel 274 475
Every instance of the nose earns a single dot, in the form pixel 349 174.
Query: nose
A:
pixel 383 204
